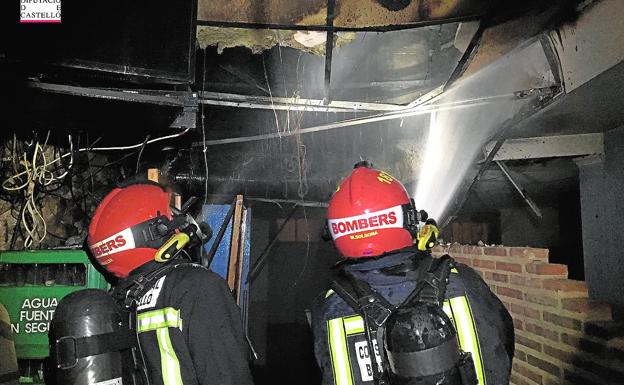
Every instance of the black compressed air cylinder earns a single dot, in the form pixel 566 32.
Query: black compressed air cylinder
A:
pixel 87 313
pixel 423 329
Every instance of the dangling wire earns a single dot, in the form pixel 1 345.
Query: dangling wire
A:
pixel 204 129
pixel 140 153
pixel 33 173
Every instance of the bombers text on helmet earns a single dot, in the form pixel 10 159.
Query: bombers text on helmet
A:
pixel 370 214
pixel 130 225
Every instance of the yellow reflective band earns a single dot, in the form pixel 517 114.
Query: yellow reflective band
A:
pixel 467 332
pixel 329 292
pixel 339 352
pixel 354 325
pixel 161 318
pixel 168 360
pixel 454 270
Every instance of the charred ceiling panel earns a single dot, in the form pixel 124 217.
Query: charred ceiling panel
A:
pixel 390 67
pixel 258 11
pixel 370 13
pixel 405 65
pixel 591 45
pixel 349 13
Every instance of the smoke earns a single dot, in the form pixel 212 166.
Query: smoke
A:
pixel 456 137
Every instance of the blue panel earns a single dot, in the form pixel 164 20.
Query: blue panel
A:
pixel 214 215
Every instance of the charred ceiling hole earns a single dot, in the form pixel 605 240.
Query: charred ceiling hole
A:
pixel 259 40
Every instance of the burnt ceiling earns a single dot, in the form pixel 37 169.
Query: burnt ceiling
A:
pixel 386 55
pixel 349 13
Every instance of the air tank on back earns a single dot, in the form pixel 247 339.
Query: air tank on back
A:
pixel 88 313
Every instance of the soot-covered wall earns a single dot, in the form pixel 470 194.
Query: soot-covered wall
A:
pixel 602 183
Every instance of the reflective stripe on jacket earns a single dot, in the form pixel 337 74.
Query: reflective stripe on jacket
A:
pixel 190 330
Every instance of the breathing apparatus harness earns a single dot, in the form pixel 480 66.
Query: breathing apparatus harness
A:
pixel 376 311
pixel 183 231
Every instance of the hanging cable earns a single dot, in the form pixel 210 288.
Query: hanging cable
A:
pixel 205 149
pixel 6 184
pixel 34 176
pixel 33 173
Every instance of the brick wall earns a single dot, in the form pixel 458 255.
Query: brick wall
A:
pixel 562 337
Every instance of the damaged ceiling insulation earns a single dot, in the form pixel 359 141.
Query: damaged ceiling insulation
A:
pixel 258 40
pixel 349 13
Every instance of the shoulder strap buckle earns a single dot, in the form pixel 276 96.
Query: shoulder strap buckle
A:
pixel 431 286
pixel 374 309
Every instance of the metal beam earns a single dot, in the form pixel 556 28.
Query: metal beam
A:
pixel 163 98
pixel 329 48
pixel 523 193
pixel 291 104
pixel 549 147
pixel 301 27
pixel 467 57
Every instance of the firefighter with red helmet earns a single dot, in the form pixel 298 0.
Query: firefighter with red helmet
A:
pixel 425 320
pixel 188 324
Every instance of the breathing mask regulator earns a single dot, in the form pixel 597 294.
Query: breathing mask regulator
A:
pixel 186 233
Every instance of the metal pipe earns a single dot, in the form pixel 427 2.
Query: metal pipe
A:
pixel 418 110
pixel 297 104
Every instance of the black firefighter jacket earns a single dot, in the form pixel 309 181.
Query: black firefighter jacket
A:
pixel 483 325
pixel 190 330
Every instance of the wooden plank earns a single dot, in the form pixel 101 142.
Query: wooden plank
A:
pixel 233 277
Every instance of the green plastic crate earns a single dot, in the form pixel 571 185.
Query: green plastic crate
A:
pixel 31 302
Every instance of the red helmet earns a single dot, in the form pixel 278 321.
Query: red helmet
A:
pixel 370 214
pixel 129 226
